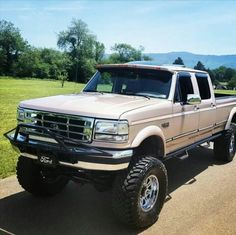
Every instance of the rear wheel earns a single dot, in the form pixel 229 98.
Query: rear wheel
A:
pixel 225 145
pixel 38 180
pixel 139 194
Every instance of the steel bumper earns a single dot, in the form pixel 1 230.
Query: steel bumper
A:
pixel 66 152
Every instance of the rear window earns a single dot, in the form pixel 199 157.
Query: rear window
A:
pixel 203 85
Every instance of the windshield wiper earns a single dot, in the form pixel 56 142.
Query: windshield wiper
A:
pixel 135 94
pixel 100 92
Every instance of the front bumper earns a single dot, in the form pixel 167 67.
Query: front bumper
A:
pixel 66 152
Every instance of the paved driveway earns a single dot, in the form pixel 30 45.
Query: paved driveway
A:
pixel 202 201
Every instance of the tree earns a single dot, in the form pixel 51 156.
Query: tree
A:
pixel 79 43
pixel 232 82
pixel 229 74
pixel 146 58
pixel 179 61
pixel 99 51
pixel 125 53
pixel 224 74
pixel 58 62
pixel 28 64
pixel 200 66
pixel 42 63
pixel 11 46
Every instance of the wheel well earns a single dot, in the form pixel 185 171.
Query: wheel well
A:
pixel 234 119
pixel 152 145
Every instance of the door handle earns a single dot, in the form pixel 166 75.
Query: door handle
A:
pixel 196 107
pixel 213 105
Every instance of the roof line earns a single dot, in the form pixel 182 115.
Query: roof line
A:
pixel 152 67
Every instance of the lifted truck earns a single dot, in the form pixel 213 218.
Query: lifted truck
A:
pixel 117 133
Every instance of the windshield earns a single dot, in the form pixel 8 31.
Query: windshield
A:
pixel 125 81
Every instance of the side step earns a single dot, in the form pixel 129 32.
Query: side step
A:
pixel 183 156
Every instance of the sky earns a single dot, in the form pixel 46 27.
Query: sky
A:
pixel 199 26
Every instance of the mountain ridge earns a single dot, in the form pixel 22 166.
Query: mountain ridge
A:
pixel 191 59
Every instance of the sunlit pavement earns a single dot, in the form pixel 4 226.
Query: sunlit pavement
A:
pixel 202 201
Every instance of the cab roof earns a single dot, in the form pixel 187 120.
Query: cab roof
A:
pixel 151 65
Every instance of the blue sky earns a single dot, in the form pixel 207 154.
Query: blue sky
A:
pixel 203 27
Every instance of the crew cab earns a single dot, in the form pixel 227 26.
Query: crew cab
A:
pixel 118 131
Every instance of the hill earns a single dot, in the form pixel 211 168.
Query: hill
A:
pixel 190 59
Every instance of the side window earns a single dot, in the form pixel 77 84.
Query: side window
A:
pixel 203 86
pixel 183 88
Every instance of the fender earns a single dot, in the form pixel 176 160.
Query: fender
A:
pixel 147 132
pixel 233 111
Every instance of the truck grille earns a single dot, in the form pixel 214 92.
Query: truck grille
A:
pixel 73 127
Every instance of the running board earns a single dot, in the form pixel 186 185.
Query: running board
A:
pixel 184 156
pixel 182 151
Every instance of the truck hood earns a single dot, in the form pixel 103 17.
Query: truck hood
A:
pixel 90 104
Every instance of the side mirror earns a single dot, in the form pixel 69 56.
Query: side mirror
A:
pixel 193 99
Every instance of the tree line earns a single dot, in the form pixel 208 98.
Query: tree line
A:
pixel 78 53
pixel 221 74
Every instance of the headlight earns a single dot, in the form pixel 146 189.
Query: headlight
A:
pixel 116 131
pixel 20 114
pixel 24 115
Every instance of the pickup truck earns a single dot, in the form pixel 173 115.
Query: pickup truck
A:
pixel 118 132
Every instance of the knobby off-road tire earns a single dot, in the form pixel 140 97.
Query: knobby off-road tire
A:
pixel 225 145
pixel 31 178
pixel 130 189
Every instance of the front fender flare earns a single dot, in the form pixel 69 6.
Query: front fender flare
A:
pixel 148 132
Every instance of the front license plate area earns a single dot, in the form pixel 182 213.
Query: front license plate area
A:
pixel 47 160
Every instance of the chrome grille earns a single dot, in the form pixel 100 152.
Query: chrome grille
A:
pixel 73 127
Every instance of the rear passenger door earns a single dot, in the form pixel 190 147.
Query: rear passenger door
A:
pixel 207 108
pixel 185 116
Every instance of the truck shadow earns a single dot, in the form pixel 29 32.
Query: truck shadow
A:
pixel 81 210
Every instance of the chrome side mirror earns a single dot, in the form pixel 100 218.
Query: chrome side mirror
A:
pixel 193 99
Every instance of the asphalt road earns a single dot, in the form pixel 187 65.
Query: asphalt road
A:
pixel 202 201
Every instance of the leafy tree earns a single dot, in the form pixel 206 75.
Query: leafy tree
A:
pixel 28 64
pixel 79 43
pixel 99 51
pixel 42 63
pixel 63 76
pixel 200 66
pixel 179 61
pixel 57 61
pixel 11 46
pixel 224 74
pixel 219 73
pixel 232 82
pixel 147 58
pixel 229 74
pixel 125 53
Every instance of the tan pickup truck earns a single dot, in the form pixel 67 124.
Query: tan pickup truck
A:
pixel 118 131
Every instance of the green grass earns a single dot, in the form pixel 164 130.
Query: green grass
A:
pixel 12 91
pixel 228 92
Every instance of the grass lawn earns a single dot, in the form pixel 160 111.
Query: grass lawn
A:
pixel 228 92
pixel 12 91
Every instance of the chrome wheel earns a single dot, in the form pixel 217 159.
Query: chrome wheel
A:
pixel 232 144
pixel 149 193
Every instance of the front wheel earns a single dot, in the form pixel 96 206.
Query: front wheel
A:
pixel 139 194
pixel 39 180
